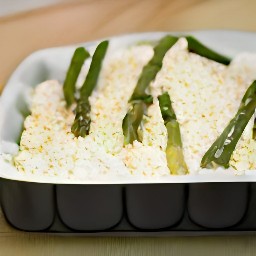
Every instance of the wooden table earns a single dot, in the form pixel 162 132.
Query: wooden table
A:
pixel 79 21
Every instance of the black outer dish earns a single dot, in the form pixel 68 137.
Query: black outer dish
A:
pixel 134 209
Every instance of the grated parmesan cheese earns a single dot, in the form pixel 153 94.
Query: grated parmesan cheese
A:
pixel 205 96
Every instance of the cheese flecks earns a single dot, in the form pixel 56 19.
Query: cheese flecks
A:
pixel 205 96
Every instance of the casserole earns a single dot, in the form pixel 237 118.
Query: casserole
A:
pixel 192 203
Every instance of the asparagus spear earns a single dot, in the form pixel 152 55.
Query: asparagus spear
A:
pixel 195 46
pixel 174 153
pixel 151 69
pixel 139 98
pixel 221 150
pixel 69 87
pixel 132 121
pixel 254 130
pixel 81 125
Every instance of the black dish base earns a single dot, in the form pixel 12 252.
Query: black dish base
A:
pixel 131 210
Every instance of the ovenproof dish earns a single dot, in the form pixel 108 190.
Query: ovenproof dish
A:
pixel 215 199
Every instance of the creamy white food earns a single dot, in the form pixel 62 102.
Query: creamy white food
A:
pixel 205 96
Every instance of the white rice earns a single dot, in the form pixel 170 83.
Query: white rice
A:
pixel 205 96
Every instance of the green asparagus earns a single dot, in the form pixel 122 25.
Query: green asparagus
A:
pixel 254 130
pixel 221 150
pixel 81 125
pixel 195 46
pixel 132 121
pixel 174 152
pixel 151 69
pixel 139 99
pixel 69 87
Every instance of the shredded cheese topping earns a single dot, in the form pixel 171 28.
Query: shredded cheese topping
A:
pixel 205 97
